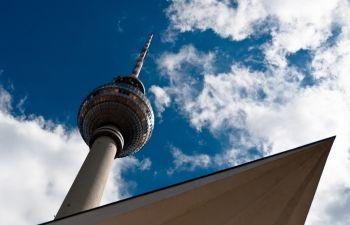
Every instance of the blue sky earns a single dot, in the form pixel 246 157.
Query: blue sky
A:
pixel 54 54
pixel 230 81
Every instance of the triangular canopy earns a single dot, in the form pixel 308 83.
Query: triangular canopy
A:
pixel 274 190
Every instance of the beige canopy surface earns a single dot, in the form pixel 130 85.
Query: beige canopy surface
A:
pixel 274 190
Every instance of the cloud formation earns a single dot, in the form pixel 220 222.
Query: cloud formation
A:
pixel 270 111
pixel 183 162
pixel 162 99
pixel 39 161
pixel 276 109
pixel 290 26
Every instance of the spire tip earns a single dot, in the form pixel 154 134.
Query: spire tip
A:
pixel 141 57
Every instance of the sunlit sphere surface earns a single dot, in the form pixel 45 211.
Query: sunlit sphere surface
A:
pixel 123 105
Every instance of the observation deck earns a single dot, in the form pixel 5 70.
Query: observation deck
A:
pixel 120 104
pixel 123 106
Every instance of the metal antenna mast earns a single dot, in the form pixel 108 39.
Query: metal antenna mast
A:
pixel 139 62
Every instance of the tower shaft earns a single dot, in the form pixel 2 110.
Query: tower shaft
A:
pixel 87 189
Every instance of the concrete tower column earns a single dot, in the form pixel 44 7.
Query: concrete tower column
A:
pixel 116 108
pixel 87 188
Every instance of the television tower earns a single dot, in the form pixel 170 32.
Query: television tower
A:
pixel 115 120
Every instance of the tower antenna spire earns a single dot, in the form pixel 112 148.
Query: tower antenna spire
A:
pixel 139 62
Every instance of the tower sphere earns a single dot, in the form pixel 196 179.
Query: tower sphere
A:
pixel 120 110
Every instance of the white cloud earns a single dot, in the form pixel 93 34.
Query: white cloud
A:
pixel 162 99
pixel 145 164
pixel 171 65
pixel 21 103
pixel 287 114
pixel 286 17
pixel 190 162
pixel 39 160
pixel 216 15
pixel 183 162
pixel 293 24
pixel 272 111
pixel 5 100
pixel 168 62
